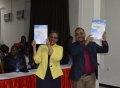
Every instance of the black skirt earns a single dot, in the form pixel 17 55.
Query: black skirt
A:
pixel 48 81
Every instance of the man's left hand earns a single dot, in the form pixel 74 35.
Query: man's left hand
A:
pixel 104 36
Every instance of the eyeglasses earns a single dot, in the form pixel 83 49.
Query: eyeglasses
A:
pixel 53 37
pixel 81 33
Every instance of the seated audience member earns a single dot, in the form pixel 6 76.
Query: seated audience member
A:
pixel 12 60
pixel 4 51
pixel 22 44
pixel 66 50
pixel 27 56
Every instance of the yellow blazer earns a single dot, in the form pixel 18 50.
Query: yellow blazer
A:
pixel 54 64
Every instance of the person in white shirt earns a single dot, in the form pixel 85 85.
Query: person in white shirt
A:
pixel 28 58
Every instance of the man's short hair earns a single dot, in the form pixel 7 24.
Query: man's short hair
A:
pixel 79 28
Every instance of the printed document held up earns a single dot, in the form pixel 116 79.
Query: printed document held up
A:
pixel 98 28
pixel 40 33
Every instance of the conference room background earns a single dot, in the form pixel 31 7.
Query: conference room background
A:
pixel 80 15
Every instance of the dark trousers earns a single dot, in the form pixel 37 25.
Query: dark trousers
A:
pixel 48 83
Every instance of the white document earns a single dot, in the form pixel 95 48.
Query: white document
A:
pixel 98 28
pixel 40 33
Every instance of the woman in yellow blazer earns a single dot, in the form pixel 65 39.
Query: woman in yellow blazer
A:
pixel 48 57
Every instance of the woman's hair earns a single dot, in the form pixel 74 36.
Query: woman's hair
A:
pixel 2 46
pixel 54 31
pixel 22 37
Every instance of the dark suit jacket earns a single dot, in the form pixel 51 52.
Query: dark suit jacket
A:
pixel 77 52
pixel 30 58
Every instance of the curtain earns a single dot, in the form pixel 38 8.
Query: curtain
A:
pixel 54 13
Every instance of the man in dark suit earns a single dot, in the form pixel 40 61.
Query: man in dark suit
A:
pixel 26 55
pixel 84 54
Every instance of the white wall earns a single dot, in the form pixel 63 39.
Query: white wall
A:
pixel 73 15
pixel 12 31
pixel 87 13
pixel 80 14
pixel 111 12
